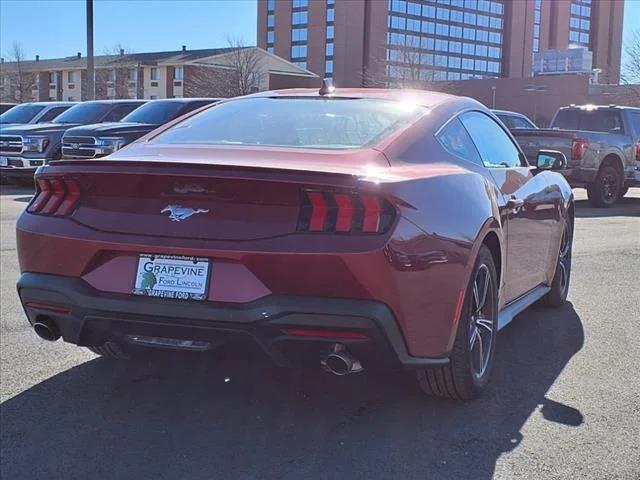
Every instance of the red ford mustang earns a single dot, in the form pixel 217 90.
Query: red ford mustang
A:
pixel 349 228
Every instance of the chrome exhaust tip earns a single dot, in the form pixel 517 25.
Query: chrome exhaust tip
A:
pixel 340 362
pixel 46 329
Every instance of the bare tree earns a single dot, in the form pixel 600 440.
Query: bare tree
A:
pixel 19 80
pixel 116 73
pixel 407 66
pixel 237 72
pixel 630 76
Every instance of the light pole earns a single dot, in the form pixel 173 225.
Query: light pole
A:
pixel 493 96
pixel 91 86
pixel 535 88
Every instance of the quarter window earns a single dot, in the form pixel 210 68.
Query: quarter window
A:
pixel 455 139
pixel 495 147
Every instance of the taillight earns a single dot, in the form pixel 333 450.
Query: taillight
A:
pixel 638 150
pixel 340 212
pixel 578 147
pixel 55 196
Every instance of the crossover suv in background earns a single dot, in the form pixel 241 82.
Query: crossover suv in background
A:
pixel 100 139
pixel 348 228
pixel 602 144
pixel 23 148
pixel 514 120
pixel 33 112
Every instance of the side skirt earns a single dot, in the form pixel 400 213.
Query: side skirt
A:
pixel 518 305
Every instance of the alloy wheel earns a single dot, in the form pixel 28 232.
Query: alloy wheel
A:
pixel 564 259
pixel 609 186
pixel 482 325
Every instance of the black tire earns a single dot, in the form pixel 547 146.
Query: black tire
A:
pixel 460 379
pixel 623 192
pixel 560 284
pixel 112 350
pixel 606 188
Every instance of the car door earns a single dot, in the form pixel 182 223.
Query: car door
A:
pixel 526 206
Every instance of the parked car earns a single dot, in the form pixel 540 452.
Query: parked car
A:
pixel 362 229
pixel 100 139
pixel 602 144
pixel 33 112
pixel 514 120
pixel 23 148
pixel 4 106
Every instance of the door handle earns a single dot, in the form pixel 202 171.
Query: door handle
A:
pixel 515 203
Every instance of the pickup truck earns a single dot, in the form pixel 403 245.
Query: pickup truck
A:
pixel 100 139
pixel 601 143
pixel 23 148
pixel 33 112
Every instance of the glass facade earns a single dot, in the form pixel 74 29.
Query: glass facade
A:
pixel 329 38
pixel 431 40
pixel 537 20
pixel 580 23
pixel 299 23
pixel 271 24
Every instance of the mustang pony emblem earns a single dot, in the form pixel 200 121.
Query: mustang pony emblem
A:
pixel 178 212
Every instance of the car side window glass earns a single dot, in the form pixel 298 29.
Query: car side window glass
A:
pixel 635 121
pixel 117 113
pixel 506 119
pixel 520 123
pixel 495 147
pixel 455 139
pixel 51 114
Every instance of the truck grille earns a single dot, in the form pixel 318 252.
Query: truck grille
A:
pixel 79 147
pixel 10 144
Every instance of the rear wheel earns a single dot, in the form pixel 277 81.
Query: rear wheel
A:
pixel 112 350
pixel 471 360
pixel 560 284
pixel 606 188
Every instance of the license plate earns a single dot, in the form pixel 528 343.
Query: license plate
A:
pixel 4 161
pixel 169 276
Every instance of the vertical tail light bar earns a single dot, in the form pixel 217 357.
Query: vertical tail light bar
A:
pixel 578 147
pixel 638 151
pixel 55 196
pixel 337 212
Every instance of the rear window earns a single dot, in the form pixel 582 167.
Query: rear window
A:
pixel 605 121
pixel 21 113
pixel 324 123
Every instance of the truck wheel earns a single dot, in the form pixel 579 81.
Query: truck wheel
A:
pixel 111 350
pixel 606 188
pixel 560 284
pixel 469 368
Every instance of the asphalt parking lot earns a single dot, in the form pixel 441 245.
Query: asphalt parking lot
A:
pixel 564 400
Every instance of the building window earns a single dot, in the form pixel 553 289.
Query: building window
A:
pixel 271 37
pixel 431 30
pixel 328 68
pixel 331 13
pixel 271 5
pixel 330 32
pixel 537 20
pixel 53 77
pixel 71 77
pixel 271 20
pixel 298 52
pixel 299 18
pixel 133 74
pixel 178 73
pixel 580 22
pixel 301 64
pixel 153 97
pixel 299 3
pixel 299 35
pixel 270 49
pixel 329 50
pixel 155 74
pixel 112 75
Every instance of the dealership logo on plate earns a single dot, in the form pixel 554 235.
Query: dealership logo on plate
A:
pixel 178 213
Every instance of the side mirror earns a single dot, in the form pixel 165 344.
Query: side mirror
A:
pixel 550 160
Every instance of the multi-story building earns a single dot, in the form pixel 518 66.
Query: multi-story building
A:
pixel 182 73
pixel 370 42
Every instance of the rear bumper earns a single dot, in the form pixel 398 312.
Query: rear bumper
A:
pixel 96 317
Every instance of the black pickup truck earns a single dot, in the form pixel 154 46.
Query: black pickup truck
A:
pixel 23 148
pixel 601 143
pixel 98 140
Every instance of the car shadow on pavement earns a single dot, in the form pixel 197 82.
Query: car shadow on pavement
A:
pixel 186 418
pixel 625 207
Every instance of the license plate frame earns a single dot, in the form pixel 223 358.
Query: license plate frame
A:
pixel 172 277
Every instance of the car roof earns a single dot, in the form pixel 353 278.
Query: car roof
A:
pixel 508 112
pixel 422 97
pixel 115 102
pixel 50 104
pixel 185 100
